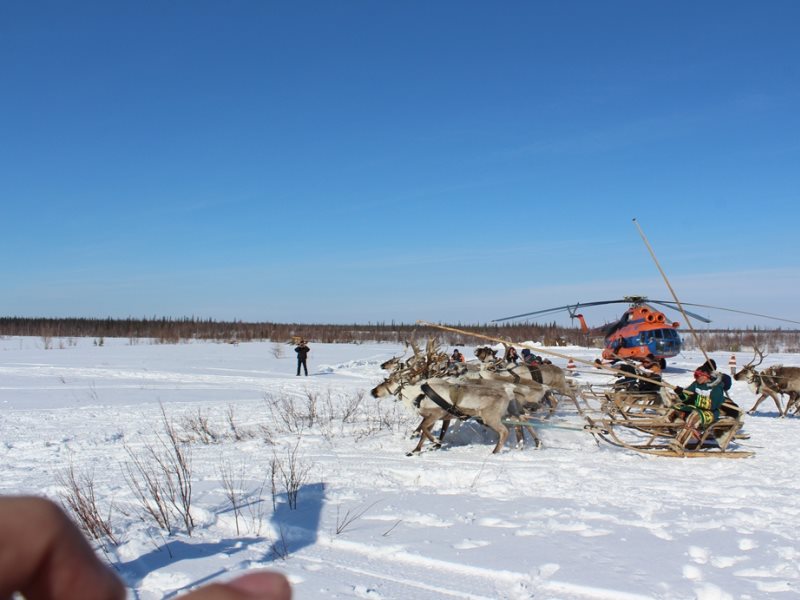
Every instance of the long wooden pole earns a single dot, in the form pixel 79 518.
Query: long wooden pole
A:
pixel 674 295
pixel 547 351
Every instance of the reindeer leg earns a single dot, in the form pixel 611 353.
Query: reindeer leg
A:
pixel 443 430
pixel 760 399
pixel 794 402
pixel 496 424
pixel 553 405
pixel 519 434
pixel 777 399
pixel 537 442
pixel 552 402
pixel 425 433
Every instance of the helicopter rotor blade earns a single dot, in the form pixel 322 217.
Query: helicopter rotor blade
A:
pixel 534 313
pixel 570 307
pixel 741 312
pixel 673 306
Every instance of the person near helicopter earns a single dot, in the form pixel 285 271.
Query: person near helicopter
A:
pixel 649 367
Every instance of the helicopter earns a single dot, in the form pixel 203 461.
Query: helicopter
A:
pixel 641 330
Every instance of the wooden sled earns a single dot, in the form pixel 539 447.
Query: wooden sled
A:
pixel 658 437
pixel 633 405
pixel 623 403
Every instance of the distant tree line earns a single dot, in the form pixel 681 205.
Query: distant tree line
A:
pixel 738 340
pixel 171 331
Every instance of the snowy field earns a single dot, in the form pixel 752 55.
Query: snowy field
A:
pixel 572 520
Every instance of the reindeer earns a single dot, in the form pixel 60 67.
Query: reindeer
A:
pixel 488 401
pixel 391 364
pixel 552 376
pixel 430 363
pixel 772 381
pixel 486 354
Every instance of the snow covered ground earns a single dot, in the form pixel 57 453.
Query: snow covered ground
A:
pixel 572 520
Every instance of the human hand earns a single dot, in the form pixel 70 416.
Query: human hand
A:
pixel 261 585
pixel 44 556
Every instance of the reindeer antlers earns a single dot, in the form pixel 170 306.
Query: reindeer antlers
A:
pixel 757 353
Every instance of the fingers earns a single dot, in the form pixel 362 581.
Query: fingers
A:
pixel 253 586
pixel 45 556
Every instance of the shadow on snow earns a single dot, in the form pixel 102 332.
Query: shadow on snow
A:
pixel 293 530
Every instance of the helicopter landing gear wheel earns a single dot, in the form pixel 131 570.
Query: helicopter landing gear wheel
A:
pixel 662 362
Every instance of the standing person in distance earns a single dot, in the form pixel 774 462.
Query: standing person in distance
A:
pixel 302 353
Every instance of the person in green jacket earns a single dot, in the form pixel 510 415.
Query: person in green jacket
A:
pixel 699 406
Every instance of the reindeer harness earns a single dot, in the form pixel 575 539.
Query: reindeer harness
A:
pixel 451 409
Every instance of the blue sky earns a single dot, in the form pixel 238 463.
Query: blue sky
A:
pixel 354 161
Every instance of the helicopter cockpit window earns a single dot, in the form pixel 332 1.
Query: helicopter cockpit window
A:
pixel 658 333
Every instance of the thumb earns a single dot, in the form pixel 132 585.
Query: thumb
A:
pixel 261 585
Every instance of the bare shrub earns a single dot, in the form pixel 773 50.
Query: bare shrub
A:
pixel 163 482
pixel 293 473
pixel 266 435
pixel 273 480
pixel 80 500
pixel 388 531
pixel 280 547
pixel 283 412
pixel 199 425
pixel 381 416
pixel 327 418
pixel 233 485
pixel 312 398
pixel 144 480
pixel 351 407
pixel 255 508
pixel 237 433
pixel 176 465
pixel 350 517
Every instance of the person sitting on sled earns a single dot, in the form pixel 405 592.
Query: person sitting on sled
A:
pixel 710 367
pixel 627 380
pixel 532 361
pixel 511 355
pixel 699 406
pixel 651 369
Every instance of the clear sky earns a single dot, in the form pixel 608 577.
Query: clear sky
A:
pixel 353 161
